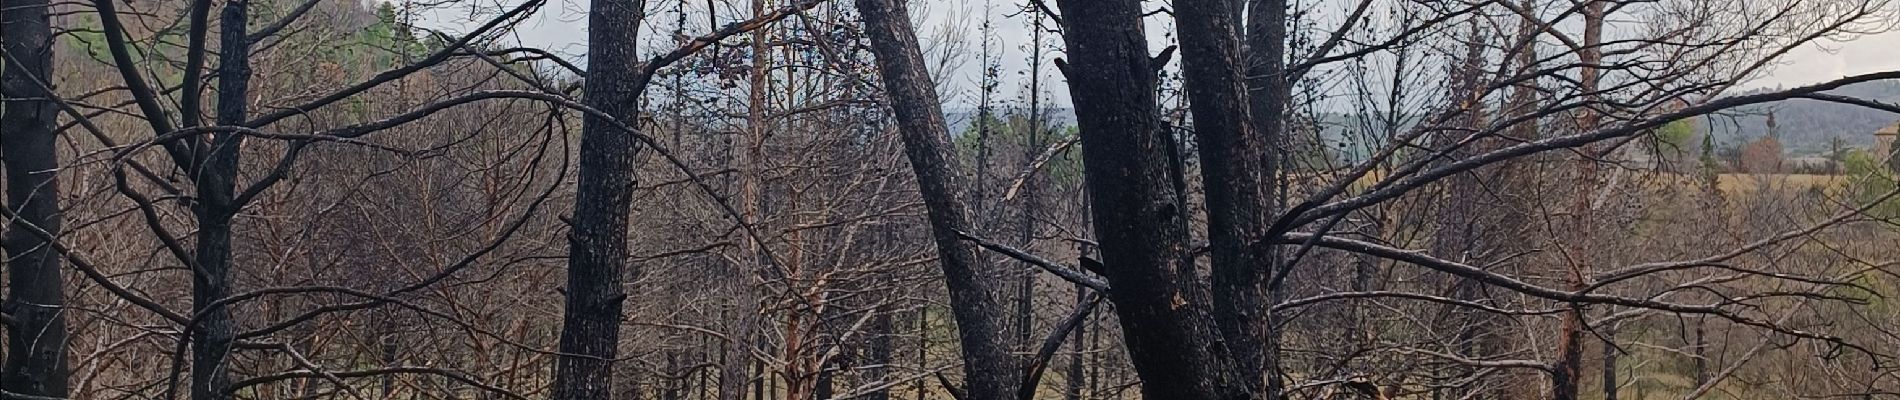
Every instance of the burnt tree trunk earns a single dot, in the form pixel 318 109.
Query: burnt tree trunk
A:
pixel 597 243
pixel 1074 376
pixel 1232 175
pixel 216 164
pixel 36 362
pixel 1610 355
pixel 976 288
pixel 1267 94
pixel 878 355
pixel 1165 314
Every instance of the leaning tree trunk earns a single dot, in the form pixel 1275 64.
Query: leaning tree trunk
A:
pixel 1164 311
pixel 597 243
pixel 36 338
pixel 991 373
pixel 1233 177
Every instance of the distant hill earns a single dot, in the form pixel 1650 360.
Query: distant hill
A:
pixel 1806 126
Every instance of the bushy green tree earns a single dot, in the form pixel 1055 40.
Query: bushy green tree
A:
pixel 1672 137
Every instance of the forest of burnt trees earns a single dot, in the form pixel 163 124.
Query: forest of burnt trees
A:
pixel 811 199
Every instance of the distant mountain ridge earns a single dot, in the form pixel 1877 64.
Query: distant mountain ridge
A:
pixel 1807 126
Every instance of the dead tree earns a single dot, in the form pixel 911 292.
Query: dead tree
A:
pixel 1234 178
pixel 1166 314
pixel 597 246
pixel 33 313
pixel 976 287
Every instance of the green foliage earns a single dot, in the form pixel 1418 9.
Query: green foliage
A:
pixel 90 37
pixel 1675 135
pixel 1009 136
pixel 1710 166
pixel 1871 179
pixel 392 34
pixel 384 44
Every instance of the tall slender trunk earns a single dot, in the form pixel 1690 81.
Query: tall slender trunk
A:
pixel 36 352
pixel 748 152
pixel 1232 176
pixel 1167 320
pixel 1268 90
pixel 597 242
pixel 1570 348
pixel 1032 186
pixel 1031 202
pixel 976 287
pixel 670 387
pixel 923 349
pixel 1461 229
pixel 217 165
pixel 758 370
pixel 1609 365
pixel 878 355
pixel 1074 376
pixel 1698 350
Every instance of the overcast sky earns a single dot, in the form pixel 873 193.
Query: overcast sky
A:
pixel 561 27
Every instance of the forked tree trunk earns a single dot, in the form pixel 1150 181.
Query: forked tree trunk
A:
pixel 1165 313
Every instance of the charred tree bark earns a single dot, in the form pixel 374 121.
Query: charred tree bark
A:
pixel 1074 374
pixel 1610 355
pixel 1165 313
pixel 36 363
pixel 1268 90
pixel 976 288
pixel 1564 374
pixel 216 178
pixel 1232 175
pixel 597 244
pixel 823 389
pixel 878 355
